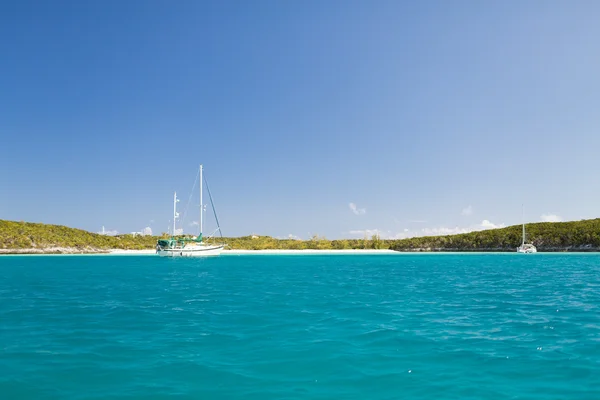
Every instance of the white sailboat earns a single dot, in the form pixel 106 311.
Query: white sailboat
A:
pixel 526 248
pixel 189 247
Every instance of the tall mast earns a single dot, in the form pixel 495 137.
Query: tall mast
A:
pixel 201 206
pixel 523 220
pixel 174 211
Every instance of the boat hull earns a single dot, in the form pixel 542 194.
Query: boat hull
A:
pixel 527 250
pixel 195 251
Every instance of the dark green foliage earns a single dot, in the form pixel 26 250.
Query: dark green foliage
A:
pixel 546 236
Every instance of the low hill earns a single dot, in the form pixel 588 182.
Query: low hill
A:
pixel 29 235
pixel 546 236
pixel 549 236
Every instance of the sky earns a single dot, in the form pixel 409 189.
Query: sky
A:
pixel 330 118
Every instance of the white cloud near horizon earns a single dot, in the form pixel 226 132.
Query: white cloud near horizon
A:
pixel 178 232
pixel 366 232
pixel 485 224
pixel 109 233
pixel 435 231
pixel 194 223
pixel 356 210
pixel 467 210
pixel 147 231
pixel 551 218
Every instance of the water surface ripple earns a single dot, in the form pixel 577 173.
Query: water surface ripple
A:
pixel 300 327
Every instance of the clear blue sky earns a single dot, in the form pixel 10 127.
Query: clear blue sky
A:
pixel 428 116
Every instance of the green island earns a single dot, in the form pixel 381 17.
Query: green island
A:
pixel 28 237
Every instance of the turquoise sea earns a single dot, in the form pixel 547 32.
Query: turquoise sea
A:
pixel 422 326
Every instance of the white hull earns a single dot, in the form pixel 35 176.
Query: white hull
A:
pixel 526 250
pixel 192 251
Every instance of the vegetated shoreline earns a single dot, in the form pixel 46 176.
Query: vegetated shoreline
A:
pixel 54 250
pixel 146 252
pixel 76 251
pixel 575 236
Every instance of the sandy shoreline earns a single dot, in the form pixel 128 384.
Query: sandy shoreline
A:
pixel 310 251
pixel 245 252
pixel 151 252
pixel 66 251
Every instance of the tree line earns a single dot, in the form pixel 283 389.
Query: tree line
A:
pixel 549 236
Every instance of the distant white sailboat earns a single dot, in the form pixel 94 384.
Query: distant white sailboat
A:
pixel 188 247
pixel 526 248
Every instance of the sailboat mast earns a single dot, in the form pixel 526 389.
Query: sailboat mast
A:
pixel 201 206
pixel 523 221
pixel 174 211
